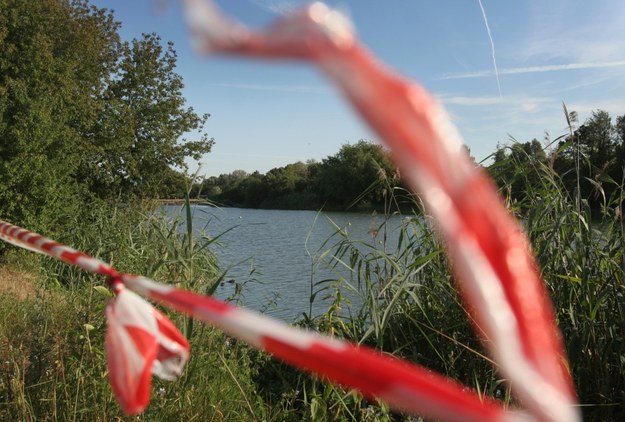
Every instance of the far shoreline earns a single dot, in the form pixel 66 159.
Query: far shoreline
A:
pixel 180 201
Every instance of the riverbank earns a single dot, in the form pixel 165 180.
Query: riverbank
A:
pixel 180 201
pixel 52 335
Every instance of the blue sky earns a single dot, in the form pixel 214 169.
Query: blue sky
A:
pixel 269 114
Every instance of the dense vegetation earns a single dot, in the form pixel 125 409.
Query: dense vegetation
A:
pixel 358 175
pixel 590 158
pixel 88 122
pixel 83 115
pixel 53 325
pixel 589 161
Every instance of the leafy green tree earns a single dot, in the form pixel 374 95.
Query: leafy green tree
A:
pixel 139 134
pixel 356 171
pixel 620 129
pixel 255 190
pixel 287 187
pixel 517 168
pixel 589 159
pixel 357 175
pixel 83 115
pixel 54 60
pixel 174 184
pixel 230 187
pixel 618 168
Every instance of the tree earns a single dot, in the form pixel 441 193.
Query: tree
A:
pixel 54 60
pixel 139 134
pixel 83 115
pixel 229 186
pixel 589 158
pixel 617 170
pixel 517 168
pixel 174 184
pixel 356 171
pixel 255 190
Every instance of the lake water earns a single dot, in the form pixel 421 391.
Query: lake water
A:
pixel 270 253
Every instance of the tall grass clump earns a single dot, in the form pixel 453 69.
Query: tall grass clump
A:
pixel 581 254
pixel 398 296
pixel 401 298
pixel 52 332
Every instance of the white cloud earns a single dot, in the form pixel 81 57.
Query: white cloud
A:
pixel 524 103
pixel 471 101
pixel 279 7
pixel 574 31
pixel 537 69
pixel 615 107
pixel 582 83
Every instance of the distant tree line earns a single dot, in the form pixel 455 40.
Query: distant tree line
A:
pixel 591 159
pixel 360 175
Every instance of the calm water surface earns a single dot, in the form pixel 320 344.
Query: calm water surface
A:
pixel 270 252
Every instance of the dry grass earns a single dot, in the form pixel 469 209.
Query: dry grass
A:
pixel 18 285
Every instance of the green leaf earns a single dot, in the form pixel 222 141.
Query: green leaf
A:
pixel 104 291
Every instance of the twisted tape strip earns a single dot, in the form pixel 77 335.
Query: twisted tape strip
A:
pixel 402 385
pixel 490 255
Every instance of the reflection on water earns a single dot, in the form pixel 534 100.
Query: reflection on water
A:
pixel 273 251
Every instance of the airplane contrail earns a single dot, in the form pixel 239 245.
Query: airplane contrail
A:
pixel 537 69
pixel 492 46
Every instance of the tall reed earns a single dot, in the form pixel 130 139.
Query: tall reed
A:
pixel 404 300
pixel 397 297
pixel 52 332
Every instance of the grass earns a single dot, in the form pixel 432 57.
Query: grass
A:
pixel 408 305
pixel 52 335
pixel 51 339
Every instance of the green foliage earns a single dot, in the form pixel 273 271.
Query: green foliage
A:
pixel 515 167
pixel 83 115
pixel 359 176
pixel 356 171
pixel 52 335
pixel 589 161
pixel 51 61
pixel 591 158
pixel 581 257
pixel 137 138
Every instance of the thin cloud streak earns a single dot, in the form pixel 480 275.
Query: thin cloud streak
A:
pixel 280 88
pixel 536 69
pixel 471 101
pixel 492 46
pixel 279 7
pixel 525 103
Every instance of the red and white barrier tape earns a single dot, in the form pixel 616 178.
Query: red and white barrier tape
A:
pixel 489 253
pixel 141 341
pixel 490 256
